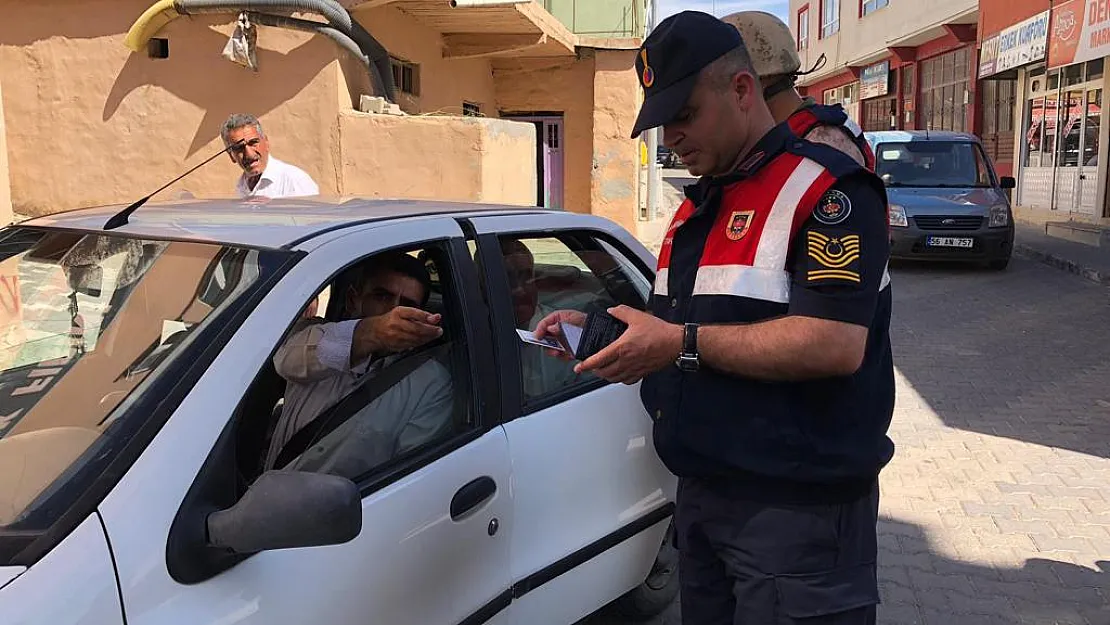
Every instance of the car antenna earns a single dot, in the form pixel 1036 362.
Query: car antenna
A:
pixel 120 218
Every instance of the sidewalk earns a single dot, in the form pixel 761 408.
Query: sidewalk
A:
pixel 1090 262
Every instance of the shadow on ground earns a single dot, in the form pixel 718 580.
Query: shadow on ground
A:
pixel 919 585
pixel 1023 353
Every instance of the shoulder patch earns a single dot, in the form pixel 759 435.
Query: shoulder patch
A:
pixel 833 207
pixel 833 257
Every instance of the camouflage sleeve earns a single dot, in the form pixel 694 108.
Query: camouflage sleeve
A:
pixel 835 137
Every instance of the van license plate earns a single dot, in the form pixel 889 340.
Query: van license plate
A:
pixel 950 242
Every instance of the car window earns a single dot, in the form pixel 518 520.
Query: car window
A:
pixel 575 271
pixel 955 164
pixel 88 323
pixel 360 391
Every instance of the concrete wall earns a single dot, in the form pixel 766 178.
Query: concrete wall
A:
pixel 557 86
pixel 859 37
pixel 5 180
pixel 88 122
pixel 473 159
pixel 616 157
pixel 444 83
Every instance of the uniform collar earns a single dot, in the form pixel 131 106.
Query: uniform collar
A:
pixel 765 150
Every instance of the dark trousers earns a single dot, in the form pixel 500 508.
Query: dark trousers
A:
pixel 747 563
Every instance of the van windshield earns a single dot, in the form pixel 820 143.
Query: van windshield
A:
pixel 932 164
pixel 88 323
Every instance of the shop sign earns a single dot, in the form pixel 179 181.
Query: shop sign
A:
pixel 874 80
pixel 1023 43
pixel 988 57
pixel 1080 31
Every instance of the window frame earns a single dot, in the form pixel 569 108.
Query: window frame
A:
pixel 876 5
pixel 801 39
pixel 832 27
pixel 188 565
pixel 514 403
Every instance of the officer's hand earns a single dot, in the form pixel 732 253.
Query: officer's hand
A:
pixel 549 327
pixel 648 345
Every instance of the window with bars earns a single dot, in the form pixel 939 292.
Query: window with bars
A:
pixel 471 109
pixel 998 99
pixel 830 17
pixel 944 91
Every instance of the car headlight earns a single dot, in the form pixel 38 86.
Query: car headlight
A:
pixel 898 216
pixel 1000 216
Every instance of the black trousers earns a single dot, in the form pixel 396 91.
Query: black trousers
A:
pixel 748 563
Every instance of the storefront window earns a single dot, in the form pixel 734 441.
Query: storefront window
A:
pixel 1094 114
pixel 1071 123
pixel 1034 137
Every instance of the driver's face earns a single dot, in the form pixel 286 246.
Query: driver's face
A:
pixel 383 292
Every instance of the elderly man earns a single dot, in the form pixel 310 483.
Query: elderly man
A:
pixel 323 362
pixel 263 174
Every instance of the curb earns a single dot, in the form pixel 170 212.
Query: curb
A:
pixel 1059 262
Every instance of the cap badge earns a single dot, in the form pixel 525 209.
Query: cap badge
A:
pixel 649 74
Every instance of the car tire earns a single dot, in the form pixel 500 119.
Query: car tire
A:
pixel 660 588
pixel 1000 264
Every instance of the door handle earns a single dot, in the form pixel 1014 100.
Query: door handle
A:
pixel 472 495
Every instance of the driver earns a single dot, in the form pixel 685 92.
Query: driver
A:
pixel 322 362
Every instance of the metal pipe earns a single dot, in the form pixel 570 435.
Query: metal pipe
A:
pixel 332 11
pixel 281 21
pixel 653 140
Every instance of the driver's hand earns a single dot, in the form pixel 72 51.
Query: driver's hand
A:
pixel 405 328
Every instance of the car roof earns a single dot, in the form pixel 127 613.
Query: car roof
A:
pixel 903 136
pixel 277 223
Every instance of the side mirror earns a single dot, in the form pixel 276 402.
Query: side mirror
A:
pixel 886 179
pixel 1007 182
pixel 287 509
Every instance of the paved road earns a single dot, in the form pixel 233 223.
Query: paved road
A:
pixel 996 509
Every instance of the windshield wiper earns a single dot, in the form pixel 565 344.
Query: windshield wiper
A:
pixel 120 218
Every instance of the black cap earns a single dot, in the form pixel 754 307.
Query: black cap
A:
pixel 671 58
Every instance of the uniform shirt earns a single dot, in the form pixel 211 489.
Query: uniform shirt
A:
pixel 279 179
pixel 315 362
pixel 760 245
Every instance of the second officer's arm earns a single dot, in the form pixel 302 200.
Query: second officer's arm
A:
pixel 837 271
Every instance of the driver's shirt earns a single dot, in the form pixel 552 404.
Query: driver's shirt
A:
pixel 279 179
pixel 315 363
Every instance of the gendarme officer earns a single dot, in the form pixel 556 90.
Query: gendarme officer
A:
pixel 766 359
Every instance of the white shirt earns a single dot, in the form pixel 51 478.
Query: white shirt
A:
pixel 279 179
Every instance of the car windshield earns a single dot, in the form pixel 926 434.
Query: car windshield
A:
pixel 932 164
pixel 88 322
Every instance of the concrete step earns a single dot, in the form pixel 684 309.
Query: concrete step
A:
pixel 1079 232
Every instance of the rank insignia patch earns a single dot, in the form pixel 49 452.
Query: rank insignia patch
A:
pixel 739 224
pixel 832 258
pixel 833 207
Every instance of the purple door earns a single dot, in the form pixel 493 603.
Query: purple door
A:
pixel 549 157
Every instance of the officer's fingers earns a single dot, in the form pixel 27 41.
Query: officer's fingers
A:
pixel 625 313
pixel 601 359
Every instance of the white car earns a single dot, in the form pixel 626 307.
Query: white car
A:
pixel 138 392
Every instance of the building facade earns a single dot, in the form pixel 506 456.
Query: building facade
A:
pixel 503 103
pixel 893 65
pixel 1054 75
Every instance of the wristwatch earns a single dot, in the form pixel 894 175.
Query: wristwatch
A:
pixel 688 358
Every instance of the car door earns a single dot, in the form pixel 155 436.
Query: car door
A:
pixel 591 498
pixel 436 519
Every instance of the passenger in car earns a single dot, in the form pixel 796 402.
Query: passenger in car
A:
pixel 322 362
pixel 541 374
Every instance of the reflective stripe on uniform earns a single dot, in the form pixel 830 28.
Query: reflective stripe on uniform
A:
pixel 661 282
pixel 774 242
pixel 772 285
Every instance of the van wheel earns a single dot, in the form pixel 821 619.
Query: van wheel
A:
pixel 659 589
pixel 999 265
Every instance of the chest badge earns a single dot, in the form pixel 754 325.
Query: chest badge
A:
pixel 739 224
pixel 833 207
